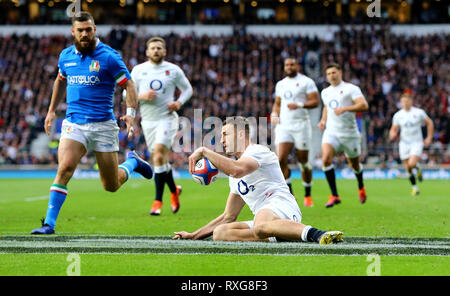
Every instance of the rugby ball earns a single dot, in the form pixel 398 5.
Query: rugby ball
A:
pixel 204 172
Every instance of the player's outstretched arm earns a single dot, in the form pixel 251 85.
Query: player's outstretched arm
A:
pixel 430 132
pixel 393 132
pixel 59 92
pixel 275 115
pixel 234 206
pixel 186 89
pixel 131 100
pixel 230 167
pixel 323 120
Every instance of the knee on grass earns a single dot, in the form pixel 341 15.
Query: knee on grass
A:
pixel 262 230
pixel 221 233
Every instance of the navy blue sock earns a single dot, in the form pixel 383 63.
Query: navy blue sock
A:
pixel 160 181
pixel 170 182
pixel 313 234
pixel 359 177
pixel 331 178
pixel 307 189
pixel 412 179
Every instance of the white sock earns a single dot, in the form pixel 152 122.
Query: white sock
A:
pixel 305 233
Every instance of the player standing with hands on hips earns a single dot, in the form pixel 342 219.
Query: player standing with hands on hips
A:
pixel 341 100
pixel 88 73
pixel 255 179
pixel 156 82
pixel 409 120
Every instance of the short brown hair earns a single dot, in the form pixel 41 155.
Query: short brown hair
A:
pixel 407 95
pixel 238 122
pixel 333 65
pixel 83 16
pixel 156 39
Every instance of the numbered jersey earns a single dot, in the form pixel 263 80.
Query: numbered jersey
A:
pixel 410 123
pixel 264 183
pixel 342 95
pixel 164 79
pixel 294 90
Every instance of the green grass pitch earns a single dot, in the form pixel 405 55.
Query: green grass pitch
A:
pixel 114 234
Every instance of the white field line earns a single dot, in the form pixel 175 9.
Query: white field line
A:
pixel 35 198
pixel 26 199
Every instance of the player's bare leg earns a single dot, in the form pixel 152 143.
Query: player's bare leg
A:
pixel 413 163
pixel 70 153
pixel 236 231
pixel 283 150
pixel 358 170
pixel 111 176
pixel 328 168
pixel 410 164
pixel 268 224
pixel 306 169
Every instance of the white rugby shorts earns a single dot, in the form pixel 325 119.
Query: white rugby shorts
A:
pixel 286 210
pixel 96 136
pixel 408 149
pixel 300 134
pixel 162 131
pixel 350 145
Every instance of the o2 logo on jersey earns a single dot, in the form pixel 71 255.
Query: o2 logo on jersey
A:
pixel 288 94
pixel 156 84
pixel 333 104
pixel 243 188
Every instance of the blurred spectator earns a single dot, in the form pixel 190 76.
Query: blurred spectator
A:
pixel 236 75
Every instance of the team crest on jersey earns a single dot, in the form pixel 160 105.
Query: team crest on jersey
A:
pixel 95 66
pixel 288 94
pixel 341 92
pixel 66 129
pixel 167 72
pixel 333 104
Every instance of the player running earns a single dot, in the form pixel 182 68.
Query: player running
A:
pixel 409 120
pixel 293 96
pixel 89 72
pixel 341 101
pixel 255 179
pixel 156 82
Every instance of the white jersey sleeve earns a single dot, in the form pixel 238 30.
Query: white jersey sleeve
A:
pixel 233 188
pixel 422 115
pixel 356 92
pixel 395 120
pixel 277 90
pixel 261 154
pixel 311 86
pixel 183 84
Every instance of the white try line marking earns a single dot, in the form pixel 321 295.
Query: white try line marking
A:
pixel 34 198
pixel 27 199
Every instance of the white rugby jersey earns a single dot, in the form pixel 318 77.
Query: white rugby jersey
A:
pixel 342 95
pixel 164 79
pixel 294 90
pixel 410 123
pixel 265 182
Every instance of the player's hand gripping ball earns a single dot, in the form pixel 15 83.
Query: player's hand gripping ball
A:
pixel 205 172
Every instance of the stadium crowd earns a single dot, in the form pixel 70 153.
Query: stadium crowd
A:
pixel 236 75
